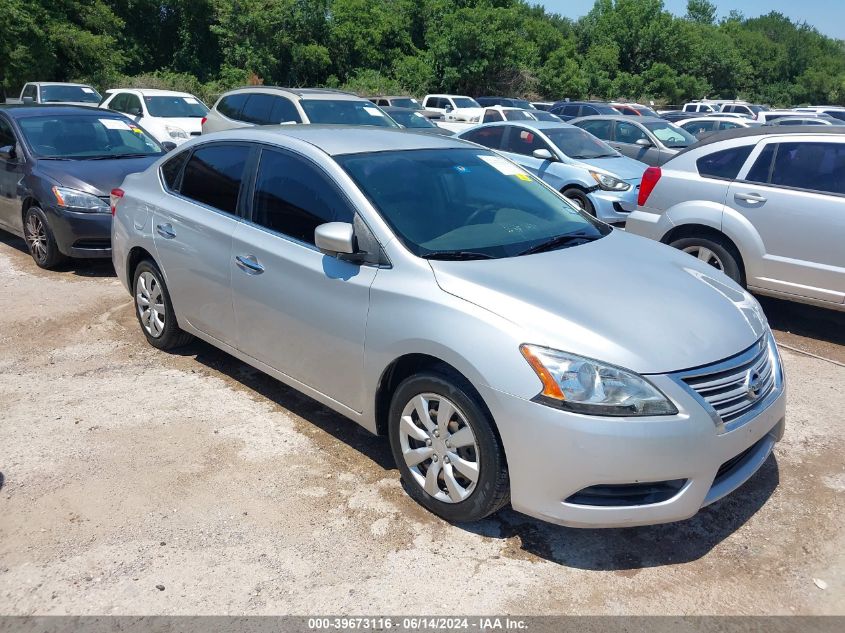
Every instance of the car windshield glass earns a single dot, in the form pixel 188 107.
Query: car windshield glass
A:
pixel 576 143
pixel 86 136
pixel 60 94
pixel 406 102
pixel 345 112
pixel 670 135
pixel 465 102
pixel 646 111
pixel 411 119
pixel 466 202
pixel 171 107
pixel 517 115
pixel 540 115
pixel 603 109
pixel 521 103
pixel 755 109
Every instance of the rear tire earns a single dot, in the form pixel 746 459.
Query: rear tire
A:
pixel 580 198
pixel 40 239
pixel 154 309
pixel 450 458
pixel 714 251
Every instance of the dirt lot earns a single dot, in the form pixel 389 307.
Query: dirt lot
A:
pixel 126 469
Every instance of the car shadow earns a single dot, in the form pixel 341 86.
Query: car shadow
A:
pixel 78 267
pixel 805 320
pixel 624 549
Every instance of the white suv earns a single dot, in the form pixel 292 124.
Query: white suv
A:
pixel 165 114
pixel 763 205
pixel 455 107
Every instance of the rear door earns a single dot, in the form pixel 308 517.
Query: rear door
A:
pixel 193 236
pixel 793 193
pixel 11 172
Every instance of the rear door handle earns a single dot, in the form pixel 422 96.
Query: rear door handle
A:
pixel 755 198
pixel 166 231
pixel 249 264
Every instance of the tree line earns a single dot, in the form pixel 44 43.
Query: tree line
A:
pixel 632 49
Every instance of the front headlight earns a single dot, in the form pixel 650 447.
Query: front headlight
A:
pixel 176 132
pixel 587 386
pixel 609 183
pixel 79 201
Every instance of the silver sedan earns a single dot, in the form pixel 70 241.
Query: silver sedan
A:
pixel 511 347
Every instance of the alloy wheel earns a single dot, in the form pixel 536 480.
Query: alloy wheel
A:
pixel 439 447
pixel 150 304
pixel 705 255
pixel 36 237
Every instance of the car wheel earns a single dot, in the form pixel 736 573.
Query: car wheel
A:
pixel 446 449
pixel 154 309
pixel 40 240
pixel 581 199
pixel 713 251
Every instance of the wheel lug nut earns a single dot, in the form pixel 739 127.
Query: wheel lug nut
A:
pixel 428 442
pixel 434 458
pixel 445 460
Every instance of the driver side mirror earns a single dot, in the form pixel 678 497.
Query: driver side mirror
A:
pixel 134 112
pixel 27 101
pixel 169 146
pixel 8 152
pixel 643 142
pixel 543 154
pixel 335 238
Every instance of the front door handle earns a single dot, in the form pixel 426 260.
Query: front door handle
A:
pixel 166 231
pixel 754 198
pixel 249 264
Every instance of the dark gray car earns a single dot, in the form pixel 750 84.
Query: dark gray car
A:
pixel 651 140
pixel 58 165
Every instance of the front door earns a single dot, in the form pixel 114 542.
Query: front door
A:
pixel 301 312
pixel 625 138
pixel 11 172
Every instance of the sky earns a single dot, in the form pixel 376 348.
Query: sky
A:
pixel 828 16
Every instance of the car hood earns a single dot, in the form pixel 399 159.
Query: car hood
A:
pixel 189 124
pixel 97 177
pixel 619 166
pixel 622 299
pixel 473 115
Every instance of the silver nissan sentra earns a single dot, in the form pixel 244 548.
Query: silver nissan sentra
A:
pixel 512 348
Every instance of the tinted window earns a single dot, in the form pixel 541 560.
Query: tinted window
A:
pixel 601 129
pixel 133 104
pixel 523 141
pixel 590 111
pixel 294 197
pixel 762 167
pixel 345 112
pixel 724 164
pixel 6 136
pixel 230 106
pixel 172 168
pixel 57 94
pixel 815 166
pixel 213 176
pixel 491 116
pixel 257 109
pixel 118 103
pixel 517 115
pixel 629 133
pixel 487 136
pixel 284 111
pixel 172 107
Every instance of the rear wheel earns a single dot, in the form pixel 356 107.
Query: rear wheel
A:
pixel 580 198
pixel 40 239
pixel 446 449
pixel 713 251
pixel 154 309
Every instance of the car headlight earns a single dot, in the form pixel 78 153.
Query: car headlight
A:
pixel 176 132
pixel 79 201
pixel 587 386
pixel 609 183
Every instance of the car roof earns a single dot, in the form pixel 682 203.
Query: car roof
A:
pixel 57 83
pixel 20 111
pixel 393 97
pixel 151 92
pixel 302 93
pixel 747 132
pixel 623 117
pixel 540 126
pixel 337 140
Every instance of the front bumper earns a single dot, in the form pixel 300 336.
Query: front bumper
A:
pixel 553 455
pixel 614 207
pixel 83 235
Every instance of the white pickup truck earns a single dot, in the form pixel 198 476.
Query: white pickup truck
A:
pixel 57 93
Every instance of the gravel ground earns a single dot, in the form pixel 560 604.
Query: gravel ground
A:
pixel 140 482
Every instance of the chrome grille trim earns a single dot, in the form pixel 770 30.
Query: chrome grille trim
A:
pixel 723 387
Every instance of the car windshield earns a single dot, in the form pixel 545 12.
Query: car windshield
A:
pixel 542 115
pixel 465 102
pixel 521 103
pixel 85 137
pixel 579 144
pixel 604 109
pixel 646 111
pixel 173 107
pixel 517 115
pixel 64 94
pixel 345 112
pixel 670 135
pixel 465 203
pixel 406 102
pixel 411 119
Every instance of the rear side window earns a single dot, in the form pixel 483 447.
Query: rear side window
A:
pixel 231 106
pixel 762 168
pixel 488 136
pixel 171 170
pixel 724 164
pixel 257 109
pixel 213 176
pixel 293 197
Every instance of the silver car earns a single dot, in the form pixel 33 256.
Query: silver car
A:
pixel 511 347
pixel 763 205
pixel 650 140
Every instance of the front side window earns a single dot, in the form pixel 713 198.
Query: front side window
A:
pixel 492 116
pixel 133 105
pixel 60 94
pixel 724 164
pixel 517 115
pixel 7 137
pixel 466 203
pixel 294 197
pixel 86 137
pixel 806 165
pixel 175 107
pixel 345 112
pixel 578 144
pixel 213 176
pixel 670 135
pixel 629 133
pixel 700 127
pixel 523 141
pixel 30 91
pixel 488 136
pixel 118 103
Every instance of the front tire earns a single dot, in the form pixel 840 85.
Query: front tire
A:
pixel 40 239
pixel 155 310
pixel 446 449
pixel 580 198
pixel 713 251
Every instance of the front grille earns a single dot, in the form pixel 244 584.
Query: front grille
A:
pixel 736 386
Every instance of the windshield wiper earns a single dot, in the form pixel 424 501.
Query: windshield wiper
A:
pixel 114 156
pixel 457 255
pixel 569 239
